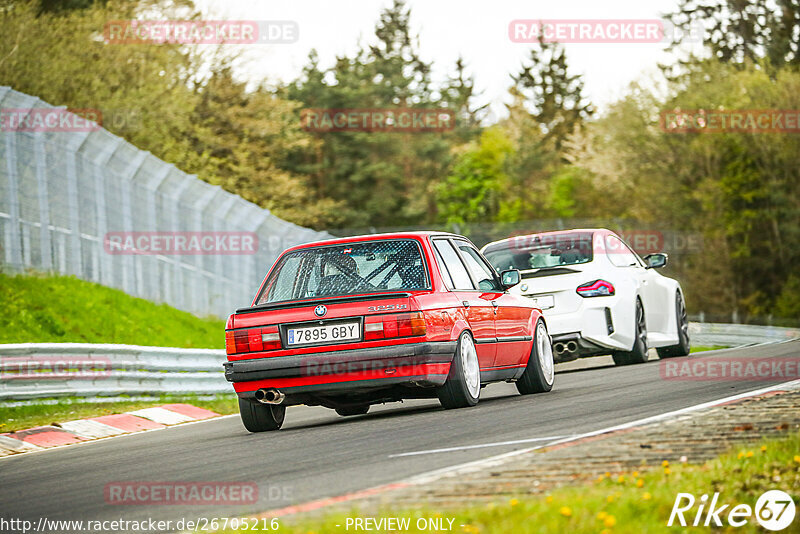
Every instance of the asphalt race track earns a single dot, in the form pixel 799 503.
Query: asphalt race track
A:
pixel 319 454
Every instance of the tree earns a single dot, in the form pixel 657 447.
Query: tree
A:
pixel 379 178
pixel 473 192
pixel 156 98
pixel 459 94
pixel 553 96
pixel 745 30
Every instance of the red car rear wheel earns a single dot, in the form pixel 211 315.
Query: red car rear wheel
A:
pixel 463 386
pixel 261 417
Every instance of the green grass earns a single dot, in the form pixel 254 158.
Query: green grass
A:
pixel 63 309
pixel 67 409
pixel 703 349
pixel 613 504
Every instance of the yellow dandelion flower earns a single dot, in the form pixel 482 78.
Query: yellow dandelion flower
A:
pixel 513 502
pixel 600 478
pixel 665 463
pixel 621 479
pixel 635 474
pixel 608 475
pixel 565 511
pixel 797 459
pixel 549 499
pixel 667 470
pixel 610 498
pixel 749 454
pixel 763 448
pixel 639 483
pixel 601 515
pixel 610 521
pixel 740 455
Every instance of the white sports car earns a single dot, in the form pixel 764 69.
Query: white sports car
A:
pixel 598 296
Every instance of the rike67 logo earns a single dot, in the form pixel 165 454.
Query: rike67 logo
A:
pixel 774 511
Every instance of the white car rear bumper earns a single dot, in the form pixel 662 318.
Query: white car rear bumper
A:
pixel 595 321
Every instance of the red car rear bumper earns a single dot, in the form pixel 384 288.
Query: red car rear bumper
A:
pixel 340 371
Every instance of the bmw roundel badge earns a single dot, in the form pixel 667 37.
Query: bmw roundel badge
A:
pixel 320 310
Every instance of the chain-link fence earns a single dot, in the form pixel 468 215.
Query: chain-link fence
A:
pixel 78 200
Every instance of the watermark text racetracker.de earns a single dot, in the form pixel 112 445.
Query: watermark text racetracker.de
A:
pixel 642 241
pixel 50 120
pixel 195 32
pixel 730 120
pixel 54 367
pixel 631 31
pixel 196 524
pixel 729 368
pixel 377 120
pixel 180 493
pixel 181 243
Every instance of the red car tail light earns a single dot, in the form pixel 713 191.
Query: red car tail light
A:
pixel 389 326
pixel 411 324
pixel 230 344
pixel 373 328
pixel 418 327
pixel 252 340
pixel 240 338
pixel 270 338
pixel 598 288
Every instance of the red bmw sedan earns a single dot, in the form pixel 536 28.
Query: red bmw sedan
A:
pixel 357 321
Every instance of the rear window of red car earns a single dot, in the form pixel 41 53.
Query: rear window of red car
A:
pixel 346 269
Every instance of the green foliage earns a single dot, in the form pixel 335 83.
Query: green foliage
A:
pixel 741 191
pixel 63 309
pixel 737 31
pixel 788 302
pixel 473 190
pixel 61 6
pixel 377 178
pixel 551 157
pixel 183 106
pixel 553 95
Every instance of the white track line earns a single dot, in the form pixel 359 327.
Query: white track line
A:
pixel 482 445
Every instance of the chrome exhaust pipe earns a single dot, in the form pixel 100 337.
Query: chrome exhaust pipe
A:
pixel 572 346
pixel 559 348
pixel 270 396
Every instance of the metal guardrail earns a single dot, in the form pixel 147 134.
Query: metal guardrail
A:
pixel 45 370
pixel 735 335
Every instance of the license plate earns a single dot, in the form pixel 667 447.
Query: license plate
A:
pixel 544 302
pixel 320 335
